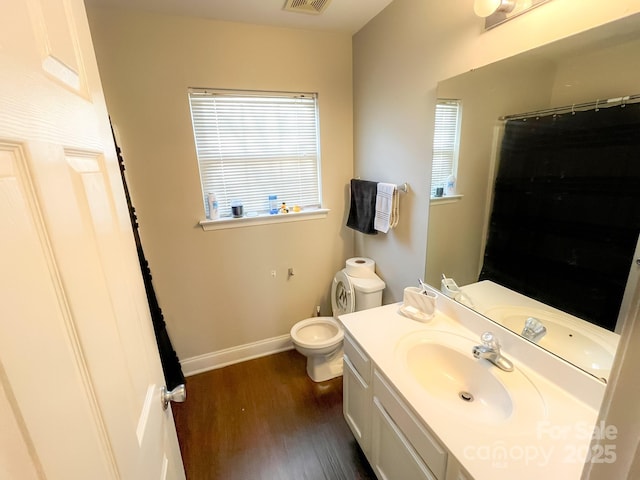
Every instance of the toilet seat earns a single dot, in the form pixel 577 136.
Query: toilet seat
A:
pixel 321 332
pixel 343 298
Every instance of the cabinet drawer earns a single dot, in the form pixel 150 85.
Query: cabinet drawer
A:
pixel 358 358
pixel 423 442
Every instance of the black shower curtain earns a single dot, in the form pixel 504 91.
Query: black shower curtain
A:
pixel 169 360
pixel 566 210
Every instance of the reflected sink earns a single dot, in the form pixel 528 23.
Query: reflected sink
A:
pixel 565 337
pixel 442 365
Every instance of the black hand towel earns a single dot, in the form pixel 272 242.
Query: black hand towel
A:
pixel 363 206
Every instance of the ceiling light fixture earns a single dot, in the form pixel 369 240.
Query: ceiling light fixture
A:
pixel 486 8
pixel 496 12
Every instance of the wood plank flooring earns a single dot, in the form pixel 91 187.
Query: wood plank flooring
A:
pixel 265 419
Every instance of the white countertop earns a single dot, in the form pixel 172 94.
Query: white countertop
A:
pixel 552 446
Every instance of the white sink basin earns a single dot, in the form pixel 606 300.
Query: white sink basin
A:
pixel 442 364
pixel 565 337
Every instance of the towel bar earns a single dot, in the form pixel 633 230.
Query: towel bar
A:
pixel 404 188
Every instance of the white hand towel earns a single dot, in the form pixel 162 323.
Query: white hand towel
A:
pixel 395 209
pixel 386 207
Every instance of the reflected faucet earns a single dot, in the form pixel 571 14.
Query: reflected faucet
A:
pixel 533 329
pixel 490 350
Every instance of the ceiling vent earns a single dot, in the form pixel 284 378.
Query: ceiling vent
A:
pixel 314 7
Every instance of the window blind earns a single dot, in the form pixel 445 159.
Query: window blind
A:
pixel 445 142
pixel 254 144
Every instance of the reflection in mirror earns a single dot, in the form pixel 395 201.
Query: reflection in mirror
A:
pixel 598 64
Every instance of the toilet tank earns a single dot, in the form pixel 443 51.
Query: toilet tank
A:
pixel 368 292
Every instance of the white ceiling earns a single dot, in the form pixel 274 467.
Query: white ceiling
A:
pixel 341 15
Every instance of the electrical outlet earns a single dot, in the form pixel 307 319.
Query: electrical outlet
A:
pixel 273 274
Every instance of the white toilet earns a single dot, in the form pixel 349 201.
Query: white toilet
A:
pixel 320 338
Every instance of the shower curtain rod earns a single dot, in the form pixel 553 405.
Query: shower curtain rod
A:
pixel 605 103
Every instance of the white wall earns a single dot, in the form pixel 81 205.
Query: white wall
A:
pixel 215 288
pixel 148 61
pixel 399 58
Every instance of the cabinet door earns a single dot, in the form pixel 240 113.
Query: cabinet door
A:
pixel 357 404
pixel 393 456
pixel 423 443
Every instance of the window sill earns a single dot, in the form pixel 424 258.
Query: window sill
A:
pixel 445 200
pixel 224 223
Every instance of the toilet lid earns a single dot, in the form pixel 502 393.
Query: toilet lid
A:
pixel 343 298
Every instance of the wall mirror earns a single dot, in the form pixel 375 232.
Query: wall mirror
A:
pixel 594 66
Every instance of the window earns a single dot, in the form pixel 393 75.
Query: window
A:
pixel 446 140
pixel 251 145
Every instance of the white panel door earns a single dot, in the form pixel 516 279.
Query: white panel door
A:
pixel 80 374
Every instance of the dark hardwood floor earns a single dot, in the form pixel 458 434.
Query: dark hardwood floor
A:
pixel 265 419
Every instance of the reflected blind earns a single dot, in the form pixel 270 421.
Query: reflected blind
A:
pixel 445 142
pixel 254 144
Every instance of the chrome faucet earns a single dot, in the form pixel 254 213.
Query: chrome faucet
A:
pixel 490 350
pixel 533 329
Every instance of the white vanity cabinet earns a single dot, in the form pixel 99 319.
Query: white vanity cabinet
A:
pixel 395 411
pixel 396 443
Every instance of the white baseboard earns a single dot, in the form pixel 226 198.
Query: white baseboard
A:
pixel 241 353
